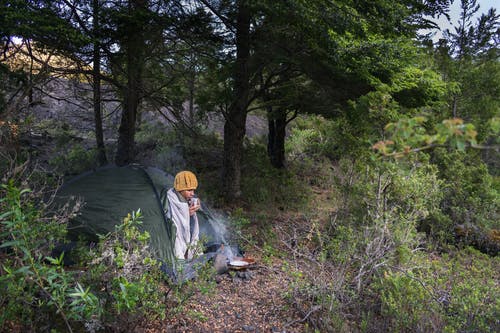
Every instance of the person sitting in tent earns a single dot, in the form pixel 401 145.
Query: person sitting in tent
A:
pixel 182 211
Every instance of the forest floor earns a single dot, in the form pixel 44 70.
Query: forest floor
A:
pixel 254 303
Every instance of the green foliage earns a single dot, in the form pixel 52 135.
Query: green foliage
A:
pixel 375 227
pixel 388 202
pixel 268 253
pixel 468 58
pixel 125 268
pixel 72 156
pixel 123 280
pixel 494 127
pixel 479 98
pixel 368 260
pixel 474 295
pixel 239 221
pixel 471 195
pixel 406 303
pixel 153 134
pixel 264 185
pixel 310 138
pixel 397 191
pixel 62 132
pixel 75 160
pixel 310 148
pixel 453 293
pixel 415 87
pixel 409 135
pixel 35 290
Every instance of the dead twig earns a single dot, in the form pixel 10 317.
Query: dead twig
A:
pixel 311 311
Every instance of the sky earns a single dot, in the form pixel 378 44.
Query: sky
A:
pixel 485 5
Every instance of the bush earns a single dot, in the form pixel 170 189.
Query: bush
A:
pixel 453 293
pixel 264 185
pixel 312 137
pixel 122 286
pixel 75 160
pixel 407 304
pixel 35 291
pixel 470 198
pixel 126 277
pixel 374 230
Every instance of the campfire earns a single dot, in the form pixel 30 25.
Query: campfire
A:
pixel 230 258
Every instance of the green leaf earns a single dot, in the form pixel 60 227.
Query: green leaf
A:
pixel 10 243
pixel 6 214
pixel 24 270
pixel 460 145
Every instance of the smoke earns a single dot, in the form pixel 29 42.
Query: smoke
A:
pixel 222 239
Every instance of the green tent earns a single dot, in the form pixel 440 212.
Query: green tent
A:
pixel 110 193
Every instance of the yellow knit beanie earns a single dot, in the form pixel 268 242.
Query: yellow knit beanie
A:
pixel 185 180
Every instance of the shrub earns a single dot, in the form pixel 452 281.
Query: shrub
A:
pixel 470 195
pixel 373 231
pixel 35 291
pixel 474 296
pixel 384 205
pixel 311 137
pixel 453 293
pixel 122 286
pixel 264 185
pixel 180 293
pixel 76 159
pixel 407 304
pixel 124 268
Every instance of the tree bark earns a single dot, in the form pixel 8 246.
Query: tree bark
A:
pixel 234 127
pixel 276 137
pixel 125 152
pixel 99 136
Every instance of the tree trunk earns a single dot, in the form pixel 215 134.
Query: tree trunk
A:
pixel 134 48
pixel 234 126
pixel 125 153
pixel 276 137
pixel 101 151
pixel 191 87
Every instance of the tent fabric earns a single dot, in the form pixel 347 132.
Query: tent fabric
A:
pixel 110 193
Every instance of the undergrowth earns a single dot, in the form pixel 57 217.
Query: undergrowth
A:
pixel 117 288
pixel 365 264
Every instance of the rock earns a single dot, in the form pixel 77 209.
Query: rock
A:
pixel 245 275
pixel 220 263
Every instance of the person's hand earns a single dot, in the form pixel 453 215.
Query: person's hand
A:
pixel 194 208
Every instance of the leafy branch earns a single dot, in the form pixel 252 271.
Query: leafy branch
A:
pixel 410 135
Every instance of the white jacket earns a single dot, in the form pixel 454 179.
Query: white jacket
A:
pixel 187 226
